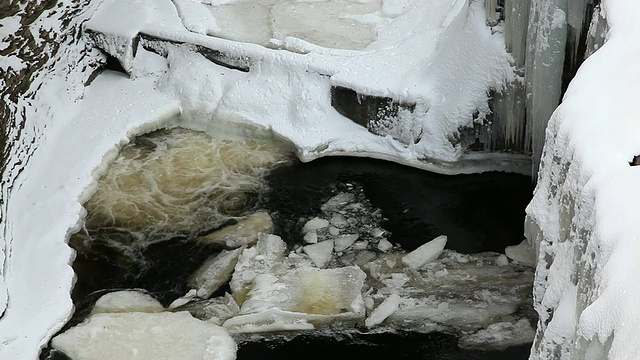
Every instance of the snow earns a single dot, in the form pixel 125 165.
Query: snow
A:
pixel 425 253
pixel 583 217
pixel 146 336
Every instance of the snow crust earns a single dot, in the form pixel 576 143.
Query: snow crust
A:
pixel 583 217
pixel 441 57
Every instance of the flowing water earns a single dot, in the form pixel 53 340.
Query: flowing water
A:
pixel 170 189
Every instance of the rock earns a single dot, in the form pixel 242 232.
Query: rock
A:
pixel 319 253
pixel 314 224
pixel 127 301
pixel 244 233
pixel 214 272
pixel 425 253
pixel 146 336
pixel 383 311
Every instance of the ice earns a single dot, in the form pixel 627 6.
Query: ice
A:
pixel 262 258
pixel 311 237
pixel 343 242
pixel 502 260
pixel 245 232
pixel 214 272
pixel 499 336
pixel 307 295
pixel 216 310
pixel 337 202
pixel 384 245
pixel 522 253
pixel 319 253
pixel 315 224
pixel 127 301
pixel 383 311
pixel 425 253
pixel 146 336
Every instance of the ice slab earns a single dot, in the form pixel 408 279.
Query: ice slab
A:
pixel 319 253
pixel 315 224
pixel 268 253
pixel 522 253
pixel 214 272
pixel 425 253
pixel 383 311
pixel 216 310
pixel 245 232
pixel 499 336
pixel 146 336
pixel 127 301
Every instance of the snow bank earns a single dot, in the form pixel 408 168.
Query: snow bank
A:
pixel 583 217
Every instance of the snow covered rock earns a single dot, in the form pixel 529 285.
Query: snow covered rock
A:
pixel 425 253
pixel 146 336
pixel 214 272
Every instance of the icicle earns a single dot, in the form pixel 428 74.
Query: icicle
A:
pixel 597 32
pixel 546 40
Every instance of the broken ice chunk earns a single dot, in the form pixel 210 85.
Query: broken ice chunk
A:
pixel 311 237
pixel 522 253
pixel 127 301
pixel 308 290
pixel 334 231
pixel 245 232
pixel 338 201
pixel 425 253
pixel 384 245
pixel 319 253
pixel 185 299
pixel 499 336
pixel 215 310
pixel 383 311
pixel 146 336
pixel 266 254
pixel 342 242
pixel 339 221
pixel 214 272
pixel 315 224
pixel 502 260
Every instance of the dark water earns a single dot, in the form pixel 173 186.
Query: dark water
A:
pixel 482 212
pixel 410 346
